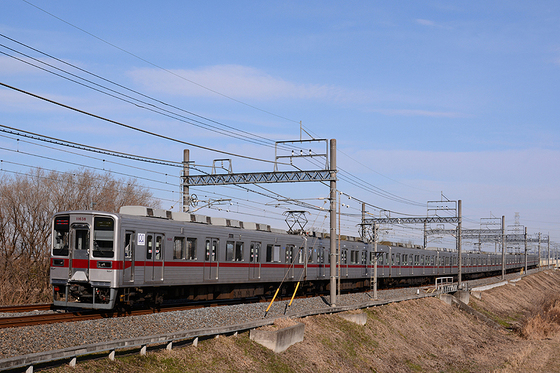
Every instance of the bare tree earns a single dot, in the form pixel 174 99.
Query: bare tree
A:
pixel 27 204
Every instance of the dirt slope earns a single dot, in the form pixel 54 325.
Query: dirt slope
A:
pixel 415 336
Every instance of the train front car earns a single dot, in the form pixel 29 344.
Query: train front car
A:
pixel 84 266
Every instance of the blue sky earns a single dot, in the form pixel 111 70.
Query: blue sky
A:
pixel 423 98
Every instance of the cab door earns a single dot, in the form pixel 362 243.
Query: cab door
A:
pixel 79 252
pixel 129 252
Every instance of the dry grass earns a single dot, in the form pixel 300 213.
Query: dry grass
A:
pixel 545 323
pixel 423 335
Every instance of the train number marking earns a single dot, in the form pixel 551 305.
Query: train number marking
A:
pixel 141 239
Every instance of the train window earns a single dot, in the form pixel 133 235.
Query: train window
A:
pixel 149 246
pixel 398 259
pixel 301 255
pixel 191 249
pixel 128 245
pixel 310 256
pixel 211 249
pixel 405 259
pixel 103 235
pixel 269 252
pixel 272 253
pixel 392 259
pixel 179 248
pixel 289 253
pixel 60 236
pixel 344 257
pixel 353 257
pixel 255 249
pixel 158 247
pixel 82 239
pixel 229 251
pixel 321 255
pixel 421 260
pixel 364 257
pixel 238 257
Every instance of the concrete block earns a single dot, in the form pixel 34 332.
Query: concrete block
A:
pixel 278 340
pixel 477 294
pixel 356 318
pixel 463 296
pixel 447 298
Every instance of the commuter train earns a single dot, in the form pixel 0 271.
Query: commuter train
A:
pixel 141 255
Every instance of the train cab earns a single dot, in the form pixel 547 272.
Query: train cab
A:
pixel 84 263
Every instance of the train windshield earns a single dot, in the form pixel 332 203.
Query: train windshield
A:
pixel 60 235
pixel 103 237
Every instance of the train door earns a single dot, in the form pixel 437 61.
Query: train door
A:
pixel 344 263
pixel 290 260
pixel 153 269
pixel 254 261
pixel 211 264
pixel 365 271
pixel 129 251
pixel 390 261
pixel 79 252
pixel 321 261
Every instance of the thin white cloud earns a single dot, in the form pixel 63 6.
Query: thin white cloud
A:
pixel 236 81
pixel 12 66
pixel 248 83
pixel 425 22
pixel 419 113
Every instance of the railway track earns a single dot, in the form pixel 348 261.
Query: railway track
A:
pixel 51 318
pixel 26 308
pixel 47 318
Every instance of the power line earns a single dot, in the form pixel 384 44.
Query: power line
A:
pixel 134 128
pixel 75 145
pixel 127 99
pixel 161 68
pixel 120 86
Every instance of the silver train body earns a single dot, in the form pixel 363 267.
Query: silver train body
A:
pixel 100 260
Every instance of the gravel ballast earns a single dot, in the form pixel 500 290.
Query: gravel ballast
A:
pixel 33 339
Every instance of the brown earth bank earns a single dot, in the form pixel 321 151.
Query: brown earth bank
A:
pixel 425 335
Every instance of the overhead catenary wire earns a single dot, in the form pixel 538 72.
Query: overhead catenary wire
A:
pixel 133 127
pixel 159 67
pixel 359 184
pixel 150 107
pixel 245 133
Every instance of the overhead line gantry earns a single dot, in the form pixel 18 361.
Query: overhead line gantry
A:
pixel 321 175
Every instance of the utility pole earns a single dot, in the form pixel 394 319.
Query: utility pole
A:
pixel 525 239
pixel 503 247
pixel 186 194
pixel 375 239
pixel 459 259
pixel 548 249
pixel 539 251
pixel 333 222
